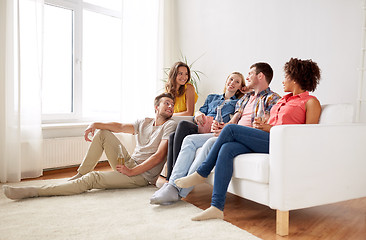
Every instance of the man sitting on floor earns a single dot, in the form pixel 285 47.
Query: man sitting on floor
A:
pixel 140 169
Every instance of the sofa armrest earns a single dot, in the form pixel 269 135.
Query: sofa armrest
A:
pixel 312 165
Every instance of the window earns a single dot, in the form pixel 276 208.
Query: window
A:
pixel 57 87
pixel 101 65
pixel 82 60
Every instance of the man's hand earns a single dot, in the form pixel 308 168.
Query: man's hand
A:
pixel 216 128
pixel 90 129
pixel 125 170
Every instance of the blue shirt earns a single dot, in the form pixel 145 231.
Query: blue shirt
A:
pixel 214 100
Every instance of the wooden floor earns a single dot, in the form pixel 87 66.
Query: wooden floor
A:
pixel 341 221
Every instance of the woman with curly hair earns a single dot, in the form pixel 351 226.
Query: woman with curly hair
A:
pixel 297 107
pixel 184 93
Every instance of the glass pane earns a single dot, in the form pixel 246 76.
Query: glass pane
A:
pixel 57 61
pixel 101 65
pixel 111 4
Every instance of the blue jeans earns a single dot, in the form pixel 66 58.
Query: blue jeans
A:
pixel 187 162
pixel 184 129
pixel 233 141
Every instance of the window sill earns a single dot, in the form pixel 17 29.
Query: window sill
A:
pixel 61 130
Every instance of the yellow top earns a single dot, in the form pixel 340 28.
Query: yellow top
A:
pixel 180 102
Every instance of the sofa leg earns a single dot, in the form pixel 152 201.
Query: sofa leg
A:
pixel 282 222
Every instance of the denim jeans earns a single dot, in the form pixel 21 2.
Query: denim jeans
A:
pixel 233 141
pixel 184 129
pixel 186 162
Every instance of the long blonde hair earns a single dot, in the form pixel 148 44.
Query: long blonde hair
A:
pixel 238 93
pixel 171 84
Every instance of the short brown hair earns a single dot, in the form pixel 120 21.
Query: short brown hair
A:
pixel 304 72
pixel 160 96
pixel 265 68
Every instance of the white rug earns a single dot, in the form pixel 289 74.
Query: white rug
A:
pixel 107 214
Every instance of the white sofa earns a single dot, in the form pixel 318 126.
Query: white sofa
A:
pixel 308 165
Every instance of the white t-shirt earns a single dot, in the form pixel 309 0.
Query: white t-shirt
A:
pixel 148 140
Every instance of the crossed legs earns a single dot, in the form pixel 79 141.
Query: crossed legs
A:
pixel 233 140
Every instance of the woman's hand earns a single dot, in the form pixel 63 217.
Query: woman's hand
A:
pixel 262 125
pixel 245 89
pixel 90 129
pixel 200 119
pixel 216 128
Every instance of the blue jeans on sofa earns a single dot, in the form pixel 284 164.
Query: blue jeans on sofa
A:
pixel 233 141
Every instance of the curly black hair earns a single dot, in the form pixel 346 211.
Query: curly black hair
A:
pixel 305 72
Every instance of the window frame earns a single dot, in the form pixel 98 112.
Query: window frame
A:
pixel 77 6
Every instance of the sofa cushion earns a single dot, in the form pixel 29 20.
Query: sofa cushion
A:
pixel 336 113
pixel 252 166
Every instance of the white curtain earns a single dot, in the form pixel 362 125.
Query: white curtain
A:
pixel 20 82
pixel 142 57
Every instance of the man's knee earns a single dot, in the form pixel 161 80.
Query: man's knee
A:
pixel 103 133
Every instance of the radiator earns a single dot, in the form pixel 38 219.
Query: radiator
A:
pixel 69 151
pixel 62 152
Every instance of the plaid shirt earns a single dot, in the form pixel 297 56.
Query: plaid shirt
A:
pixel 269 97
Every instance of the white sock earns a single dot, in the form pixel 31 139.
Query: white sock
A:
pixel 160 189
pixel 20 192
pixel 167 196
pixel 210 213
pixel 190 181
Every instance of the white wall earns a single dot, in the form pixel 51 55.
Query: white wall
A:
pixel 233 34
